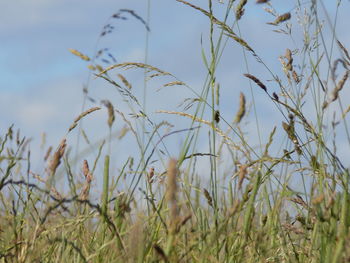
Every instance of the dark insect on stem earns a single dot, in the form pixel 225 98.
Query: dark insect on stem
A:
pixel 217 116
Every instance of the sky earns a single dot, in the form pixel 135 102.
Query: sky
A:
pixel 41 81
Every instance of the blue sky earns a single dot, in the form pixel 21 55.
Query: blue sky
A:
pixel 41 81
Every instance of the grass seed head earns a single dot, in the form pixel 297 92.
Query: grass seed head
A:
pixel 240 9
pixel 242 108
pixel 289 57
pixel 256 80
pixel 88 178
pixel 79 54
pixel 110 109
pixel 125 81
pixel 56 159
pixel 208 197
pixel 150 175
pixel 345 51
pixel 280 19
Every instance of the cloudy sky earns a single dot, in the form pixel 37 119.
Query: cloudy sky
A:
pixel 41 81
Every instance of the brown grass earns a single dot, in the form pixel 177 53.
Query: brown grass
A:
pixel 57 156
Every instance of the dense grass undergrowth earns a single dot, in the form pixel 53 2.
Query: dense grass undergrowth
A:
pixel 286 200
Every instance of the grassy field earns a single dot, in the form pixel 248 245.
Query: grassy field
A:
pixel 286 200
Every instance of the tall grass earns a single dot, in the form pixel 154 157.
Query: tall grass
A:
pixel 285 200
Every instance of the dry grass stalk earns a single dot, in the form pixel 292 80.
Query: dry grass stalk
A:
pixel 82 115
pixel 56 159
pixel 335 66
pixel 280 19
pixel 266 152
pixel 261 1
pixel 171 193
pixel 214 20
pixel 53 189
pixel 110 109
pixel 227 139
pixel 185 115
pixel 188 103
pixel 72 126
pixel 345 51
pixel 174 83
pixel 79 54
pixel 256 80
pixel 240 41
pixel 88 178
pixel 338 88
pixel 154 75
pixel 128 65
pixel 125 81
pixel 127 122
pixel 123 91
pixel 242 108
pixel 299 200
pixel 224 26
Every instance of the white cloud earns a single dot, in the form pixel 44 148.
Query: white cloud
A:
pixel 21 14
pixel 36 113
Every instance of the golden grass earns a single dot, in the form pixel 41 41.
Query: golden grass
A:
pixel 82 115
pixel 79 54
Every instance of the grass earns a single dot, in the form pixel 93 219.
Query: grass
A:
pixel 286 200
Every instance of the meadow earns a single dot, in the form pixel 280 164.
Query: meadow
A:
pixel 281 198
